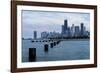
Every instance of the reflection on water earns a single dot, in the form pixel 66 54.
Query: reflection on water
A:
pixel 65 50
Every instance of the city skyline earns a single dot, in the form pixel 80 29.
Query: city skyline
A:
pixel 67 32
pixel 50 21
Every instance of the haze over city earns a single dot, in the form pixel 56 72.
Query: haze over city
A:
pixel 41 21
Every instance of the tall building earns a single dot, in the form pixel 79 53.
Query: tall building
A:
pixel 82 29
pixel 77 31
pixel 69 31
pixel 87 33
pixel 72 30
pixel 63 31
pixel 35 34
pixel 65 25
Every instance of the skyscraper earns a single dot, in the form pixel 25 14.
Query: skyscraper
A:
pixel 65 25
pixel 69 31
pixel 77 31
pixel 35 34
pixel 63 31
pixel 82 29
pixel 72 30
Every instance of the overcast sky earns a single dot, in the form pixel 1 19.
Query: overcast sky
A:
pixel 50 21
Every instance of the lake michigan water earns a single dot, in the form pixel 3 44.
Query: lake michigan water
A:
pixel 65 50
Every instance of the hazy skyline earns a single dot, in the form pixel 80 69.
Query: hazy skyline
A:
pixel 50 21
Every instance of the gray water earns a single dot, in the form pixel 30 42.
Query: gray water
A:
pixel 65 50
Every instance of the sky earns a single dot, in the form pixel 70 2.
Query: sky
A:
pixel 50 21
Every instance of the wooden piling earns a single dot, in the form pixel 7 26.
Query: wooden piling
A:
pixel 32 54
pixel 32 41
pixel 51 45
pixel 54 43
pixel 46 47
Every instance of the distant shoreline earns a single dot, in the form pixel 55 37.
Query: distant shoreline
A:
pixel 75 39
pixel 58 39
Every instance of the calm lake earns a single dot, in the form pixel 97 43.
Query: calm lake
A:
pixel 65 50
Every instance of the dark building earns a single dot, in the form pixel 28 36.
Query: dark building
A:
pixel 35 34
pixel 63 31
pixel 65 25
pixel 82 29
pixel 69 31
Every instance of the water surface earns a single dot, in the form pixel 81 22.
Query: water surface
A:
pixel 65 50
